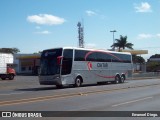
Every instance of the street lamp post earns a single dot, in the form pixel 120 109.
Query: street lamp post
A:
pixel 113 31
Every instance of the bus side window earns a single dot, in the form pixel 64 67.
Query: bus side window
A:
pixel 103 57
pixel 92 57
pixel 80 55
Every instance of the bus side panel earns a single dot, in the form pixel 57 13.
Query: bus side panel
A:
pixel 103 71
pixel 80 69
pixel 121 68
pixel 91 72
pixel 67 79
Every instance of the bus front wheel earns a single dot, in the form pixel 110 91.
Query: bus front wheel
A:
pixel 78 82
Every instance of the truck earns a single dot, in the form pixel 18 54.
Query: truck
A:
pixel 6 63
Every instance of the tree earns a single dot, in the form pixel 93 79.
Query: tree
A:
pixel 122 43
pixel 138 59
pixel 155 56
pixel 9 50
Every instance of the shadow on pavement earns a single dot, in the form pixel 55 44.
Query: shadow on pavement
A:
pixel 64 87
pixel 36 89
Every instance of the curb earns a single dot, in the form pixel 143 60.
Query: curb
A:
pixel 143 78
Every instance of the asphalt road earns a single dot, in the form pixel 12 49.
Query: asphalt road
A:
pixel 25 94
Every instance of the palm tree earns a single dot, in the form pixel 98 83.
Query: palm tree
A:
pixel 122 43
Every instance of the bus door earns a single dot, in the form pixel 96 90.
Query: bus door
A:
pixel 67 61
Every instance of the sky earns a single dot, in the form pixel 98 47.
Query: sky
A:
pixel 35 25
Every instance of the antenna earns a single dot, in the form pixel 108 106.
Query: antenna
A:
pixel 80 34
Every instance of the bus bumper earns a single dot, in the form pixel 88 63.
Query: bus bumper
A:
pixel 50 80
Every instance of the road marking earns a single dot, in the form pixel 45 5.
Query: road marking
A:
pixel 12 93
pixel 31 100
pixel 43 98
pixel 132 101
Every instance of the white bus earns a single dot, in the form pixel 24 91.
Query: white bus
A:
pixel 77 66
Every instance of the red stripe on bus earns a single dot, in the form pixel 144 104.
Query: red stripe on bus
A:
pixel 105 76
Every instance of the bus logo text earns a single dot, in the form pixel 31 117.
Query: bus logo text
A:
pixel 102 65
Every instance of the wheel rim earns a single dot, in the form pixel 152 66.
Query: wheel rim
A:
pixel 122 79
pixel 117 80
pixel 78 82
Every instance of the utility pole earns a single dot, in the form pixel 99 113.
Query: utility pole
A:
pixel 80 35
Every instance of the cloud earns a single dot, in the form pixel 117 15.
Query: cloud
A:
pixel 143 7
pixel 38 27
pixel 144 36
pixel 45 19
pixel 45 32
pixel 148 36
pixel 158 35
pixel 90 13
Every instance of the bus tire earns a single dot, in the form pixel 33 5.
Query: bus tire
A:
pixel 78 82
pixel 117 79
pixel 122 79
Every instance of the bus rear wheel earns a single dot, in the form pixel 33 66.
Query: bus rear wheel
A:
pixel 122 79
pixel 78 82
pixel 117 79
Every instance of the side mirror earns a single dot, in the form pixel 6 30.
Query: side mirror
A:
pixel 59 59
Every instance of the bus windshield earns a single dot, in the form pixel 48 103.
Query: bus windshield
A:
pixel 49 64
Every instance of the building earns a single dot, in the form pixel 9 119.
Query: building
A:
pixel 138 66
pixel 136 52
pixel 154 58
pixel 26 63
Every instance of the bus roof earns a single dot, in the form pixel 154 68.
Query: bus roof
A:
pixel 101 50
